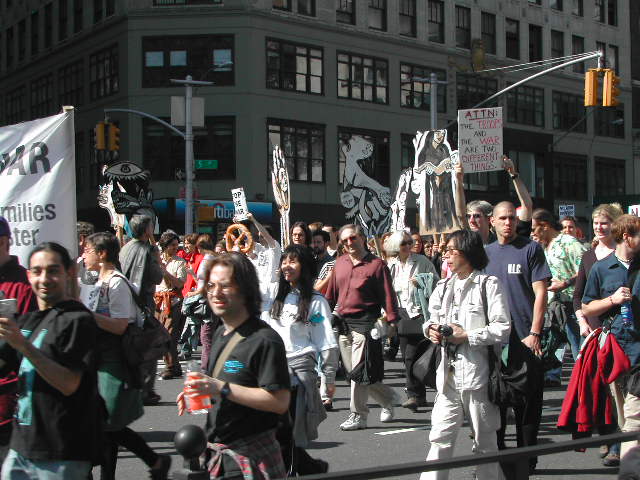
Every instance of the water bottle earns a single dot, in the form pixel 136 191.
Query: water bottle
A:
pixel 626 314
pixel 196 404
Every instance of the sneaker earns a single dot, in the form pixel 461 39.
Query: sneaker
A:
pixel 611 460
pixel 354 422
pixel 412 404
pixel 162 472
pixel 386 415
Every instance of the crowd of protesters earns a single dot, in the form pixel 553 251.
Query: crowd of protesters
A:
pixel 275 323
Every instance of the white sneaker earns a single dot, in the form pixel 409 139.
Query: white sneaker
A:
pixel 354 422
pixel 386 415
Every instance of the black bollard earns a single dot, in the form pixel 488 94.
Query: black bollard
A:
pixel 190 442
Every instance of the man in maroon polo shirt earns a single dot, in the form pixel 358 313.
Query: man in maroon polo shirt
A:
pixel 13 284
pixel 360 286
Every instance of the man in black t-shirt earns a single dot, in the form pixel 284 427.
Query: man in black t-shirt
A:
pixel 251 388
pixel 56 428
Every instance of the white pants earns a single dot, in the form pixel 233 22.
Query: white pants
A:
pixel 449 410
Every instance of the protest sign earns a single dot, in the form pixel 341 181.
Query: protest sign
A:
pixel 634 210
pixel 480 139
pixel 240 204
pixel 38 195
pixel 566 211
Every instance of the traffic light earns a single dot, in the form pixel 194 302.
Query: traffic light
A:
pixel 609 90
pixel 114 138
pixel 591 87
pixel 99 140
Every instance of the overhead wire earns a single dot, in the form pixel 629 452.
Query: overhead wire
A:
pixel 536 64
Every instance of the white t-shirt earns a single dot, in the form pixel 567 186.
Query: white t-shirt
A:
pixel 113 299
pixel 267 261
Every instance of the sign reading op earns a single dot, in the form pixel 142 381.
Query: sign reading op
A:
pixel 240 203
pixel 480 139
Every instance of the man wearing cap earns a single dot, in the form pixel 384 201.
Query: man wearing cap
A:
pixel 13 284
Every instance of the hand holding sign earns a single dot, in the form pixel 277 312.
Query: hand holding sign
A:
pixel 240 203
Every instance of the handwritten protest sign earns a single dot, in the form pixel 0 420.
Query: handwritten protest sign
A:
pixel 240 203
pixel 634 210
pixel 566 211
pixel 480 139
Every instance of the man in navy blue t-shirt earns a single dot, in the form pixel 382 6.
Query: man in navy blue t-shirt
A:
pixel 521 266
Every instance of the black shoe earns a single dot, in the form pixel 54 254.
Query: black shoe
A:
pixel 328 405
pixel 151 399
pixel 611 460
pixel 162 472
pixel 412 404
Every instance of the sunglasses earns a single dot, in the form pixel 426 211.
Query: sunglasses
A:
pixel 474 215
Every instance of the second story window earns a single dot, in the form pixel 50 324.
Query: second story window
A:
pixel 293 66
pixel 463 27
pixel 577 7
pixel 363 78
pixel 526 105
pixel 557 44
pixel 71 84
pixel 307 7
pixel 378 15
pixel 568 112
pixel 346 11
pixel 42 96
pixel 436 21
pixel 415 87
pixel 577 46
pixel 535 43
pixel 489 32
pixel 104 79
pixel 512 38
pixel 408 18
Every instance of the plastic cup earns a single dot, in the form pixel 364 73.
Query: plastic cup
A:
pixel 196 404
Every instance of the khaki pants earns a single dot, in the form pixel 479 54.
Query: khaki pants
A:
pixel 628 412
pixel 352 351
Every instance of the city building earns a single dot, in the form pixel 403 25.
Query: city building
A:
pixel 310 74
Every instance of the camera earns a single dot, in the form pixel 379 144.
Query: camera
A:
pixel 445 330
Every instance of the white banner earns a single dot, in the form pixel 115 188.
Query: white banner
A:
pixel 240 204
pixel 480 139
pixel 37 174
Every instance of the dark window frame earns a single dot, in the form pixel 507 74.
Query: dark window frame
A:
pixel 78 15
pixel 609 122
pixel 15 105
pixel 309 8
pixel 35 33
pixel 577 7
pixel 303 135
pixel 407 18
pixel 463 27
pixel 416 88
pixel 568 112
pixel 281 77
pixel 285 5
pixel 436 20
pixel 612 12
pixel 488 32
pixel 610 177
pixel 346 12
pixel 48 25
pixel 536 44
pixel 473 89
pixel 525 105
pixel 378 10
pixel 512 40
pixel 375 62
pixel 556 5
pixel 557 36
pixel 63 19
pixel 41 90
pixel 71 83
pixel 577 47
pixel 104 78
pixel 570 178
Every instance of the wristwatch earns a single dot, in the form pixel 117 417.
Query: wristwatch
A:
pixel 534 334
pixel 225 391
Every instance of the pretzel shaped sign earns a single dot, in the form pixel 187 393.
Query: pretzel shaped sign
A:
pixel 239 235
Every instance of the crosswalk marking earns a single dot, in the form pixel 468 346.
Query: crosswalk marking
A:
pixel 401 430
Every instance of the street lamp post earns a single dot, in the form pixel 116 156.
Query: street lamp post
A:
pixel 188 149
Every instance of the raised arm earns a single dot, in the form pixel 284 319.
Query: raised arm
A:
pixel 521 190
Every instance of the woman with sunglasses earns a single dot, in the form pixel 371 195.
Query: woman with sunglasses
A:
pixel 462 378
pixel 302 317
pixel 409 272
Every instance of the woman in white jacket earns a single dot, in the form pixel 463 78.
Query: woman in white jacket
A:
pixel 463 374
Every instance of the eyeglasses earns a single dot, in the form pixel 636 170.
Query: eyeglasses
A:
pixel 406 243
pixel 474 215
pixel 450 251
pixel 211 288
pixel 352 238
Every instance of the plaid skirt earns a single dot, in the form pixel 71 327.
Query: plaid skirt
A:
pixel 257 457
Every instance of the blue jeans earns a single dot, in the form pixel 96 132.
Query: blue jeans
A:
pixel 572 330
pixel 17 467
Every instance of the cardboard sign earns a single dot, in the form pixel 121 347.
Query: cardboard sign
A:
pixel 634 210
pixel 480 139
pixel 240 203
pixel 566 211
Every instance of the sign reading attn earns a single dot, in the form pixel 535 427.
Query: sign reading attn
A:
pixel 480 139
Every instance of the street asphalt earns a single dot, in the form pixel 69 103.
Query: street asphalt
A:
pixel 382 444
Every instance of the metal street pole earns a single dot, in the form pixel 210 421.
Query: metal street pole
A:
pixel 433 89
pixel 188 149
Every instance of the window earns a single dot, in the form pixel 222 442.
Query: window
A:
pixel 22 40
pixel 307 7
pixel 375 166
pixel 71 84
pixel 408 18
pixel 463 27
pixel 599 10
pixel 488 22
pixel 407 151
pixel 303 148
pixel 10 47
pixel 282 5
pixel 535 43
pixel 512 34
pixel 295 67
pixel 557 44
pixel 48 25
pixel 78 14
pixel 436 21
pixel 97 10
pixel 612 58
pixel 569 112
pixel 526 105
pixel 206 57
pixel 163 150
pixel 415 89
pixel 569 176
pixel 610 121
pixel 378 15
pixel 16 105
pixel 530 167
pixel 535 2
pixel 555 4
pixel 35 33
pixel 346 12
pixel 363 78
pixel 577 46
pixel 602 47
pixel 610 177
pixel 612 12
pixel 42 96
pixel 63 19
pixel 471 89
pixel 103 73
pixel 577 7
pixel 110 8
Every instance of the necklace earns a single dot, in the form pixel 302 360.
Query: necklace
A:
pixel 622 259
